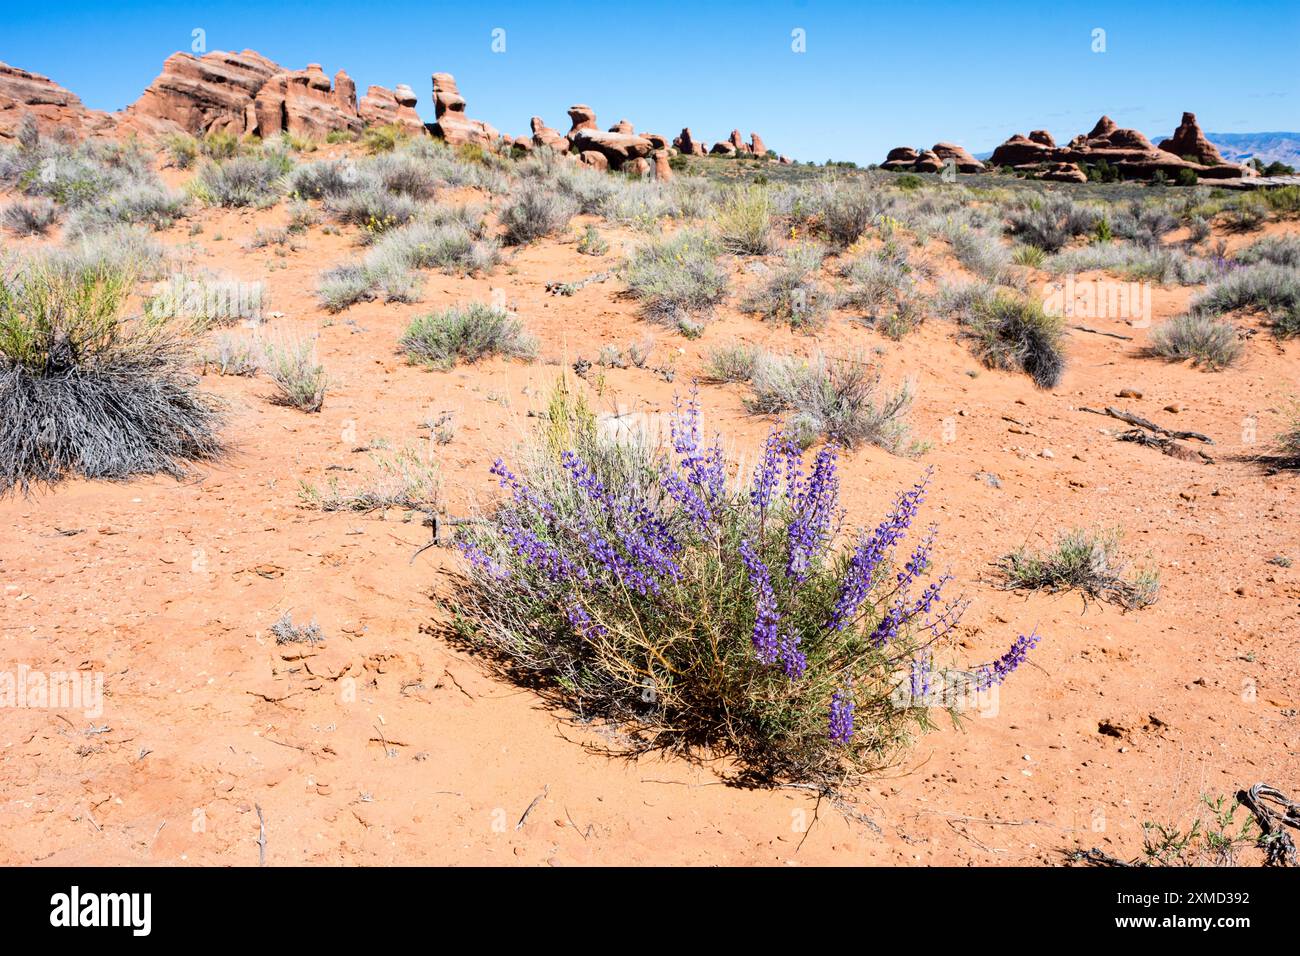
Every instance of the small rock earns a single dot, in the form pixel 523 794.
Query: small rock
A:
pixel 1047 453
pixel 1174 407
pixel 1128 393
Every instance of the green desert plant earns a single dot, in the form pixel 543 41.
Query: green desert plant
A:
pixel 744 221
pixel 1265 287
pixel 291 365
pixel 793 293
pixel 468 334
pixel 1206 340
pixel 86 390
pixel 406 479
pixel 646 587
pixel 533 211
pixel 837 398
pixel 1011 332
pixel 677 280
pixel 1081 560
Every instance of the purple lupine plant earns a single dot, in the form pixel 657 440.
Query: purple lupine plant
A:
pixel 841 720
pixel 614 567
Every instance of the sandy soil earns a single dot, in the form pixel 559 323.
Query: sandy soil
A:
pixel 385 744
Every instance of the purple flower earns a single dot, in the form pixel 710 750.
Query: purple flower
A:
pixel 860 576
pixel 699 484
pixel 814 509
pixel 841 721
pixel 768 617
pixel 995 673
pixel 767 476
pixel 920 679
pixel 480 559
pixel 793 661
pixel 581 620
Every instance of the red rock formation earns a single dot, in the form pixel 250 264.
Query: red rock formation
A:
pixel 615 146
pixel 738 144
pixel 723 148
pixel 1061 173
pixel 966 163
pixel 23 93
pixel 543 135
pixel 583 117
pixel 688 145
pixel 756 145
pixel 662 170
pixel 1190 143
pixel 452 124
pixel 928 162
pixel 1127 150
pixel 211 93
pixel 305 103
pixel 383 107
pixel 623 126
pixel 900 157
pixel 594 159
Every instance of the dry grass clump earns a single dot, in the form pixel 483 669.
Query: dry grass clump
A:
pixel 744 221
pixel 468 334
pixel 678 280
pixel 793 293
pixel 407 479
pixel 291 365
pixel 1207 341
pixel 1082 560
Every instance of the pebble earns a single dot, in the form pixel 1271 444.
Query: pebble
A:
pixel 1047 453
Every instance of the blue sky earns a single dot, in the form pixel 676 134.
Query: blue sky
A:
pixel 872 76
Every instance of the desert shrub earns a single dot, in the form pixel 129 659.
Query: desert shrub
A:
pixel 793 292
pixel 980 252
pixel 286 632
pixel 744 221
pixel 325 178
pixel 677 280
pixel 638 203
pixel 731 363
pixel 374 209
pixel 345 285
pixel 135 204
pixel 592 243
pixel 405 479
pixel 846 211
pixel 589 189
pixel 1205 340
pixel 182 149
pixel 693 197
pixel 1081 560
pixel 1159 264
pixel 220 145
pixel 468 333
pixel 1143 224
pixel 203 301
pixel 1281 250
pixel 535 210
pixel 291 365
pixel 403 173
pixel 877 280
pixel 29 217
pixel 85 390
pixel 1012 332
pixel 1271 289
pixel 245 181
pixel 448 246
pixel 229 354
pixel 1051 222
pixel 1247 215
pixel 1285 201
pixel 128 249
pixel 383 139
pixel 836 398
pixel 654 592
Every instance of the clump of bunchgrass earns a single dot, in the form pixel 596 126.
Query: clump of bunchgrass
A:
pixel 1207 341
pixel 286 632
pixel 244 181
pixel 732 363
pixel 467 334
pixel 291 365
pixel 793 293
pixel 535 210
pixel 1271 289
pixel 1048 223
pixel 86 389
pixel 698 609
pixel 1011 332
pixel 744 221
pixel 32 217
pixel 838 398
pixel 678 280
pixel 1081 560
pixel 230 354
